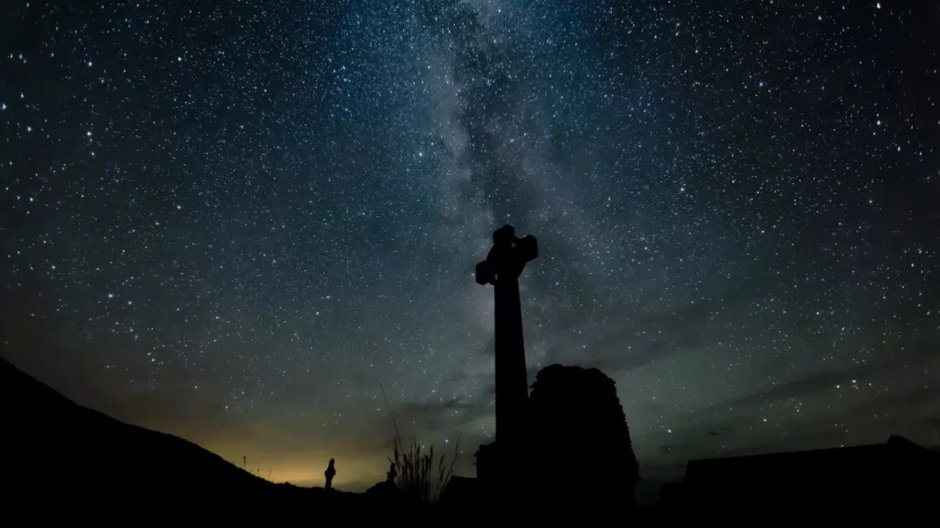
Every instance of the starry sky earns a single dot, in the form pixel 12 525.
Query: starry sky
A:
pixel 240 222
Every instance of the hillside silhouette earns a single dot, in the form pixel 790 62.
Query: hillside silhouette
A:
pixel 74 464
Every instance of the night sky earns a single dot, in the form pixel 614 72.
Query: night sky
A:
pixel 238 222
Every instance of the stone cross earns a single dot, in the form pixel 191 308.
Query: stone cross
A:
pixel 502 268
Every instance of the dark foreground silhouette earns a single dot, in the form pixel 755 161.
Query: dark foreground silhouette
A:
pixel 575 454
pixel 895 477
pixel 581 448
pixel 68 464
pixel 567 443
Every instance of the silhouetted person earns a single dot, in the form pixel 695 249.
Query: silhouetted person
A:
pixel 392 474
pixel 329 474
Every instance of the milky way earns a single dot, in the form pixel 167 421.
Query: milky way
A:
pixel 242 222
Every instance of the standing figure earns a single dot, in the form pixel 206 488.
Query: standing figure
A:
pixel 391 475
pixel 329 474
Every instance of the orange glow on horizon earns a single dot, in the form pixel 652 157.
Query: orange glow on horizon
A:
pixel 355 471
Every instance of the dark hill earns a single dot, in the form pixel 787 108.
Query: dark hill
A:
pixel 72 464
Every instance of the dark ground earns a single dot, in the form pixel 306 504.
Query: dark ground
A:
pixel 70 465
pixel 73 465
